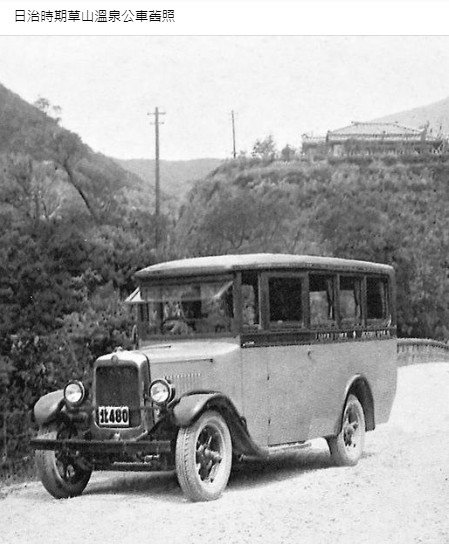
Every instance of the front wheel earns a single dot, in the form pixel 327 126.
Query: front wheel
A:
pixel 347 447
pixel 204 457
pixel 61 475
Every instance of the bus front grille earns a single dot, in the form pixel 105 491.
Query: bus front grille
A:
pixel 119 386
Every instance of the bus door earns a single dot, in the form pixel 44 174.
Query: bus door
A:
pixel 290 372
pixel 255 359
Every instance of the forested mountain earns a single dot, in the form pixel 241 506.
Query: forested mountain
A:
pixel 52 168
pixel 177 177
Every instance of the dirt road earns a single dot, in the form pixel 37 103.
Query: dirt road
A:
pixel 398 493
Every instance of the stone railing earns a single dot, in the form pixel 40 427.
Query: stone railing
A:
pixel 413 351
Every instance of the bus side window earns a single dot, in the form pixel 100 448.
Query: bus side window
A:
pixel 350 300
pixel 322 300
pixel 285 296
pixel 376 298
pixel 250 301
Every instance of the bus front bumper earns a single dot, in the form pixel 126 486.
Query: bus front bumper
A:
pixel 119 447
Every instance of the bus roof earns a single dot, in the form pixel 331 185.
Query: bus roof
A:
pixel 222 264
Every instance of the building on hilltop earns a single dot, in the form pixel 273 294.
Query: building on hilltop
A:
pixel 373 139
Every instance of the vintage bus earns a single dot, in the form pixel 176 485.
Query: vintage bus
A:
pixel 236 355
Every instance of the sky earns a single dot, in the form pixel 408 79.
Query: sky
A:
pixel 280 85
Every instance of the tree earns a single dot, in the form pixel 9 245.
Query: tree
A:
pixel 45 106
pixel 67 150
pixel 288 153
pixel 265 149
pixel 29 186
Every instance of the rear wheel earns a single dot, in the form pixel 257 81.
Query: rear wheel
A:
pixel 62 475
pixel 347 447
pixel 204 457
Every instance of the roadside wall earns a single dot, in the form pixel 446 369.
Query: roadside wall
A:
pixel 412 351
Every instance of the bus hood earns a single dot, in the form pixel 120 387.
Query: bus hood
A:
pixel 196 350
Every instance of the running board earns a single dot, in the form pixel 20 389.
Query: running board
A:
pixel 271 451
pixel 293 446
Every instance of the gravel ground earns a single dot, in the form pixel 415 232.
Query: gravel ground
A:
pixel 398 493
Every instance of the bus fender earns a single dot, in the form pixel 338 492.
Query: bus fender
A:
pixel 359 387
pixel 48 407
pixel 191 406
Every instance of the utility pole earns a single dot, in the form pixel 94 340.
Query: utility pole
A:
pixel 233 135
pixel 156 124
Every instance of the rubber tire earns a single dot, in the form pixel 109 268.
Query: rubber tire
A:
pixel 189 479
pixel 341 454
pixel 49 474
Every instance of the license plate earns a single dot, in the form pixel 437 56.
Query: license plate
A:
pixel 113 416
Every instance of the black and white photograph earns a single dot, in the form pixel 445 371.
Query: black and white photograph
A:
pixel 224 289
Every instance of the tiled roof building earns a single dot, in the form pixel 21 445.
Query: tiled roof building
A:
pixel 373 138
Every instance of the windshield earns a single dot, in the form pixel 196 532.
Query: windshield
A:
pixel 198 307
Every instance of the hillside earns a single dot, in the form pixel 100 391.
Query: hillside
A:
pixel 32 141
pixel 177 177
pixel 436 114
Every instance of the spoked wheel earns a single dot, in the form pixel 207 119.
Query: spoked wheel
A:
pixel 204 457
pixel 61 475
pixel 347 447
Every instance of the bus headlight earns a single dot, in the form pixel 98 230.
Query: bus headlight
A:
pixel 161 392
pixel 74 393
